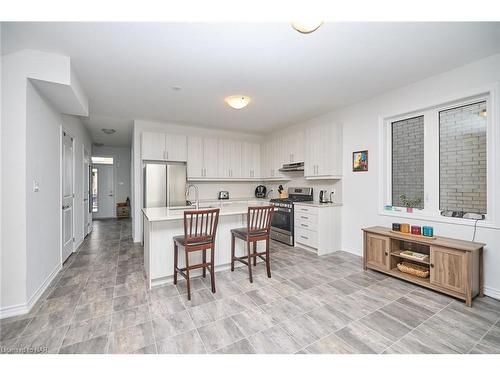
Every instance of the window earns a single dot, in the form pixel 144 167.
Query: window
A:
pixel 439 159
pixel 102 160
pixel 408 161
pixel 462 158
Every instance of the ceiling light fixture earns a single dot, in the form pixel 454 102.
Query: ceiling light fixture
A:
pixel 237 101
pixel 109 131
pixel 306 27
pixel 97 144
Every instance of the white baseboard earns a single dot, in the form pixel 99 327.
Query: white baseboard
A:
pixel 24 308
pixel 492 292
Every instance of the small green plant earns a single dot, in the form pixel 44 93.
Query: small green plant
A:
pixel 410 203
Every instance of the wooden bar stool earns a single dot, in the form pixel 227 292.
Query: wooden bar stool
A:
pixel 257 229
pixel 200 228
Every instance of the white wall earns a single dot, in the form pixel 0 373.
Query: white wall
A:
pixel 121 156
pixel 208 190
pixel 30 140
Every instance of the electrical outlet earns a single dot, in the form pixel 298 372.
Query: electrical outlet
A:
pixel 36 186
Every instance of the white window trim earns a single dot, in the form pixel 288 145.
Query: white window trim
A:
pixel 431 203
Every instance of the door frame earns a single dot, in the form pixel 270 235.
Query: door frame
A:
pixel 85 176
pixel 115 158
pixel 63 130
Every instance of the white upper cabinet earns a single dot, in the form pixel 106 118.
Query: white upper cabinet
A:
pixel 164 147
pixel 323 152
pixel 250 160
pixel 229 159
pixel 202 157
pixel 273 158
pixel 294 148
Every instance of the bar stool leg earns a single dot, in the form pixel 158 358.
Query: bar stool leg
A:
pixel 175 262
pixel 249 260
pixel 187 276
pixel 212 271
pixel 254 253
pixel 268 263
pixel 232 251
pixel 204 261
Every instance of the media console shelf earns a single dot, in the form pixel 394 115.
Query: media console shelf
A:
pixel 455 266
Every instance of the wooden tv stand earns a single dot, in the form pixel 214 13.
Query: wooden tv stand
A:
pixel 456 266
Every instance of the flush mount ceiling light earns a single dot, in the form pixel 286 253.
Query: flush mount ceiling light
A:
pixel 237 101
pixel 109 131
pixel 306 27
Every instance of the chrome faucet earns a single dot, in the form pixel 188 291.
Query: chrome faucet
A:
pixel 196 195
pixel 269 192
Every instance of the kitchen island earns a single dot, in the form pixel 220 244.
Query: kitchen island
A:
pixel 161 224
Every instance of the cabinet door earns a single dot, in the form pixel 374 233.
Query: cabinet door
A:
pixel 235 159
pixel 294 147
pixel 312 137
pixel 153 146
pixel 195 167
pixel 224 159
pixel 377 251
pixel 176 147
pixel 255 171
pixel 448 268
pixel 278 158
pixel 210 157
pixel 250 160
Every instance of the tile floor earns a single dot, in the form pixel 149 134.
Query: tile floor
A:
pixel 99 304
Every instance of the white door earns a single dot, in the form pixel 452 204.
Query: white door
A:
pixel 67 195
pixel 105 191
pixel 86 187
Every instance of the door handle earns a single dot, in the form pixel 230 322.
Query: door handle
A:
pixel 66 207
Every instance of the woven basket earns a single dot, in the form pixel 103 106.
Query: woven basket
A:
pixel 414 269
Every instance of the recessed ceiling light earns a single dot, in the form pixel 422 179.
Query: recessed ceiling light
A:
pixel 237 101
pixel 109 131
pixel 176 88
pixel 306 27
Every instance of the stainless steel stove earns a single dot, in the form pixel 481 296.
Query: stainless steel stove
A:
pixel 282 224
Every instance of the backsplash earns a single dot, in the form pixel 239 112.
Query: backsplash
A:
pixel 245 189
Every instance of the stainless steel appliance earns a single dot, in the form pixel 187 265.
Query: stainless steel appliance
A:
pixel 282 223
pixel 293 167
pixel 164 184
pixel 323 197
pixel 223 194
pixel 260 191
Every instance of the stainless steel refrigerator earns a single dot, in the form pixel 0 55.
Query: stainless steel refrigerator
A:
pixel 164 184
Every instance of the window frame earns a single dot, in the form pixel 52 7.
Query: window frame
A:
pixel 430 111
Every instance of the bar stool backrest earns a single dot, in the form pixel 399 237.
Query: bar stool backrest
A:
pixel 259 220
pixel 200 225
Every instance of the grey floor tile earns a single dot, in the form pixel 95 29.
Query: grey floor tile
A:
pixel 329 318
pixel 219 334
pixel 406 315
pixel 304 330
pixel 273 340
pixel 59 303
pixel 361 279
pixel 196 284
pixel 185 343
pixel 415 344
pixel 129 301
pixel 93 310
pixel 363 339
pixel 130 339
pixel 172 325
pixel 240 347
pixel 330 344
pixel 263 295
pixel 96 345
pixel 12 329
pixel 252 321
pixel 150 349
pixel 303 282
pixel 343 286
pixel 207 313
pixel 86 330
pixel 99 295
pixel 50 340
pixel 48 321
pixel 130 317
pixel 386 325
pixel 198 298
pixel 168 306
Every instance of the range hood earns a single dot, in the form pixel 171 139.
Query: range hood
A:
pixel 293 167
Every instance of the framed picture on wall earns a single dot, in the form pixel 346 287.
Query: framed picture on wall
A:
pixel 360 161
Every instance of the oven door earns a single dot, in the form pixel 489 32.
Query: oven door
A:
pixel 282 220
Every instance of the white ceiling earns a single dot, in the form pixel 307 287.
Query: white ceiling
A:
pixel 128 69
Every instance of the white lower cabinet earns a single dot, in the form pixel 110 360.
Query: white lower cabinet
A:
pixel 317 228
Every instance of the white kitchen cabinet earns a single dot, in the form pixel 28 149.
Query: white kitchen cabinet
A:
pixel 163 147
pixel 250 160
pixel 202 157
pixel 273 158
pixel 323 152
pixel 294 147
pixel 229 157
pixel 317 228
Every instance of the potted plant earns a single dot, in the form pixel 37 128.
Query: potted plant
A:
pixel 409 203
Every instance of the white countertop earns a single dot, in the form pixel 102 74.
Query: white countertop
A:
pixel 317 204
pixel 165 213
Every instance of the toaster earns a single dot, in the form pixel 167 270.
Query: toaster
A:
pixel 223 194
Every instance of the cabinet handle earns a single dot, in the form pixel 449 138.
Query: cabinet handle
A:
pixel 432 265
pixel 304 217
pixel 386 253
pixel 304 237
pixel 307 226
